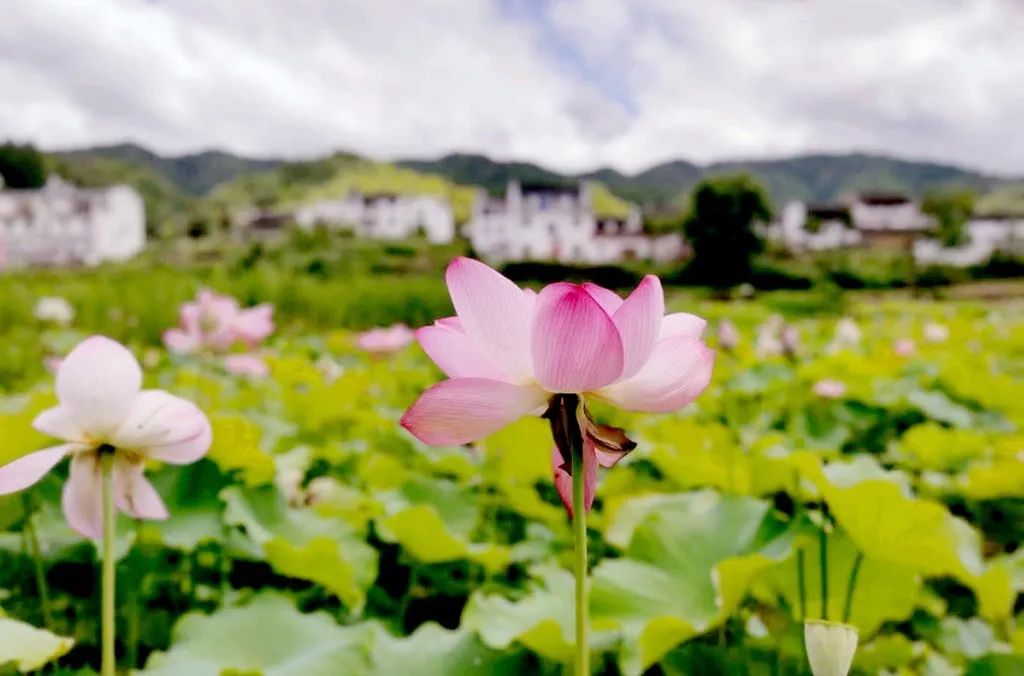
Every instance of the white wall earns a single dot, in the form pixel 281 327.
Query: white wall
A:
pixel 119 231
pixel 984 237
pixel 64 225
pixel 383 217
pixel 561 226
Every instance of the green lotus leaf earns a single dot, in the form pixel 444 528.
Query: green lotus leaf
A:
pixel 236 447
pixel 29 648
pixel 931 446
pixel 432 650
pixel 302 544
pixel 267 636
pixel 884 591
pixel 190 494
pixel 938 406
pixel 993 479
pixel 889 525
pixel 996 665
pixel 541 620
pixel 689 561
pixel 16 431
pixel 710 457
pixel 889 651
pixel 971 638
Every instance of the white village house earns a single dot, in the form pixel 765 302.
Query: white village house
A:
pixel 985 236
pixel 383 216
pixel 892 220
pixel 61 224
pixel 544 222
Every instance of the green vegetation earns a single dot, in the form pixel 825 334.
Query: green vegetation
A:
pixel 951 209
pixel 1008 199
pixel 814 178
pixel 721 228
pixel 197 193
pixel 317 533
pixel 21 166
pixel 333 178
pixel 195 174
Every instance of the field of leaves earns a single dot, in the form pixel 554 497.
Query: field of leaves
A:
pixel 318 537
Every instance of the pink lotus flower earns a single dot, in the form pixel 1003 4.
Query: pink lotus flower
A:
pixel 827 388
pixel 246 365
pixel 510 352
pixel 387 341
pixel 216 323
pixel 904 347
pixel 103 409
pixel 728 335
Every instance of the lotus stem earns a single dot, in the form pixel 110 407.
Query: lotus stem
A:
pixel 801 583
pixel 579 520
pixel 32 537
pixel 823 560
pixel 109 556
pixel 851 585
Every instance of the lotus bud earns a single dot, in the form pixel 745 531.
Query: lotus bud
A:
pixel 830 647
pixel 827 388
pixel 790 341
pixel 904 347
pixel 935 332
pixel 768 343
pixel 728 335
pixel 848 334
pixel 320 489
pixel 55 310
pixel 289 482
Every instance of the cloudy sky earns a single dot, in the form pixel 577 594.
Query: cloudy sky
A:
pixel 573 84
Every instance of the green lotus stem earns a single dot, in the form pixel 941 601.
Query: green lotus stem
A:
pixel 32 537
pixel 579 521
pixel 823 559
pixel 851 585
pixel 109 526
pixel 801 582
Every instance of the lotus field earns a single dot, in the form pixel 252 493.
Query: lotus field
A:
pixel 278 511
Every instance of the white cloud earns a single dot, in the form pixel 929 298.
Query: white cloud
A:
pixel 573 84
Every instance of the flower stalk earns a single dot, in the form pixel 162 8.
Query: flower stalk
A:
pixel 32 539
pixel 851 585
pixel 109 532
pixel 823 561
pixel 579 521
pixel 564 414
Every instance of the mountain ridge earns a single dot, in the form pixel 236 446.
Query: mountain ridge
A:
pixel 810 176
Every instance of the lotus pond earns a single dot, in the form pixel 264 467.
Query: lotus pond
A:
pixel 319 537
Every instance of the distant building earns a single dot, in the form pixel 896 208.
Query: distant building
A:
pixel 262 225
pixel 544 222
pixel 61 224
pixel 874 219
pixel 984 237
pixel 383 216
pixel 892 220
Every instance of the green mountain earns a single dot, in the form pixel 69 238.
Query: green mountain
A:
pixel 483 171
pixel 1007 199
pixel 826 177
pixel 816 177
pixel 180 191
pixel 193 174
